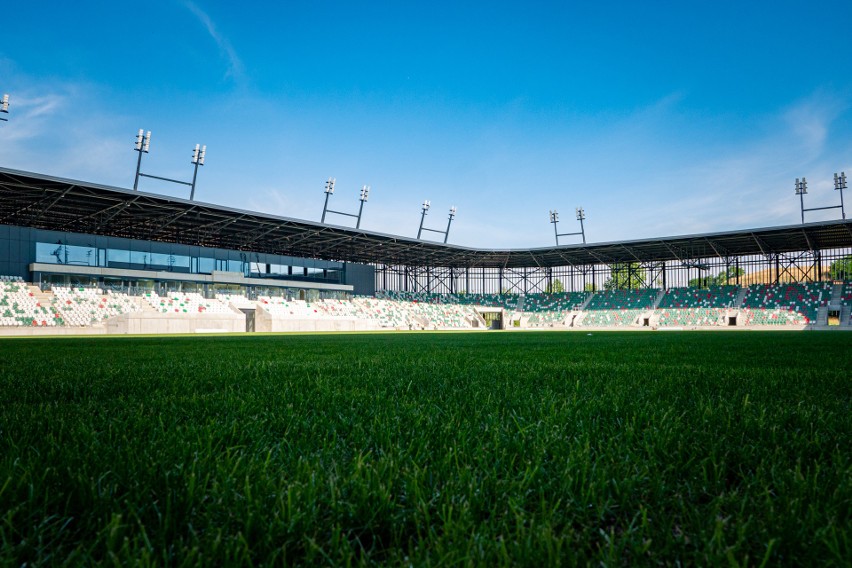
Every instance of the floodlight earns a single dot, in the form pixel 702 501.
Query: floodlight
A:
pixel 365 193
pixel 426 205
pixel 198 154
pixel 840 181
pixel 4 104
pixel 329 185
pixel 453 211
pixel 147 143
pixel 580 213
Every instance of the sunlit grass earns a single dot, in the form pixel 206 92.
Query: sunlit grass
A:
pixel 430 449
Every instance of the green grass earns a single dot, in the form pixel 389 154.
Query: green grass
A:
pixel 427 449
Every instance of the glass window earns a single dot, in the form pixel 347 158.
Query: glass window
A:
pixel 59 253
pixel 118 256
pixel 140 258
pixel 206 265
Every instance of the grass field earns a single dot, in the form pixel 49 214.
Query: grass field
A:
pixel 428 449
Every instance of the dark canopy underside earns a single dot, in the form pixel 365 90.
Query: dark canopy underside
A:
pixel 45 202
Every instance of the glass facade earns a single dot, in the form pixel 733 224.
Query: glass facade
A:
pixel 267 274
pixel 146 255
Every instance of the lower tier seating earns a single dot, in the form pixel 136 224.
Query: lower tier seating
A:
pixel 684 317
pixel 19 307
pixel 610 318
pixel 185 302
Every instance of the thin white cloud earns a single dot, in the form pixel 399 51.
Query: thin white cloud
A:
pixel 32 114
pixel 236 69
pixel 809 121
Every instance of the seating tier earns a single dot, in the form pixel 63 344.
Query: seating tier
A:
pixel 632 299
pixel 801 300
pixel 710 297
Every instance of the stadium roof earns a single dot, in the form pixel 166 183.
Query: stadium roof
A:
pixel 45 202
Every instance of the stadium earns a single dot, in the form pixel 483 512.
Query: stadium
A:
pixel 230 378
pixel 193 432
pixel 85 258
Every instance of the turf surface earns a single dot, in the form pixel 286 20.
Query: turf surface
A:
pixel 427 449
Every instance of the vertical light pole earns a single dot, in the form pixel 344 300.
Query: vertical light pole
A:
pixel 198 160
pixel 426 205
pixel 329 190
pixel 840 185
pixel 4 107
pixel 143 143
pixel 450 222
pixel 580 216
pixel 554 218
pixel 365 194
pixel 801 190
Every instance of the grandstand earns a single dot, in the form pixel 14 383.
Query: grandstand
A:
pixel 91 258
pixel 781 305
pixel 696 307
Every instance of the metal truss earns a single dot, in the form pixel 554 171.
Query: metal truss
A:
pixel 44 202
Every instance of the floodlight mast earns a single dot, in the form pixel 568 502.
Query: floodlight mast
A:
pixel 554 218
pixel 450 222
pixel 581 215
pixel 4 107
pixel 143 145
pixel 329 190
pixel 425 206
pixel 365 194
pixel 198 160
pixel 839 185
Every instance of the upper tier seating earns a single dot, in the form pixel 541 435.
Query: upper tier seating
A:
pixel 557 302
pixel 785 304
pixel 506 301
pixel 632 299
pixel 710 297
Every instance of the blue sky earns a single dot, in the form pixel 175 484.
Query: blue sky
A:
pixel 658 118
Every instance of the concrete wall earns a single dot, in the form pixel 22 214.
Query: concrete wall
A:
pixel 23 331
pixel 264 322
pixel 156 323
